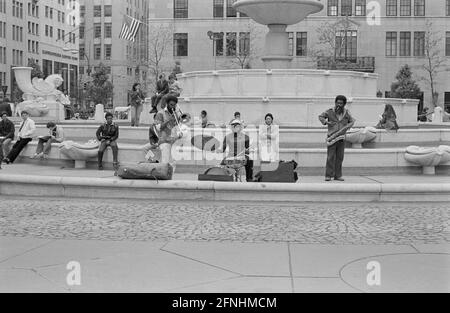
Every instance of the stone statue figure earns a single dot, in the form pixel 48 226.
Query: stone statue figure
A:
pixel 40 95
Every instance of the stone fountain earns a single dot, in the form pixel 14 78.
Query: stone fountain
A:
pixel 295 96
pixel 42 99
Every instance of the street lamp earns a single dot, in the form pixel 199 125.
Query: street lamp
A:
pixel 214 37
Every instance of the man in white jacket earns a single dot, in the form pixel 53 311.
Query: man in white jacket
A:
pixel 26 133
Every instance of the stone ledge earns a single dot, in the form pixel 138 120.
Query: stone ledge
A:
pixel 22 185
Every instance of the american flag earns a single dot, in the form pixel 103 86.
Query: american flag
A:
pixel 130 28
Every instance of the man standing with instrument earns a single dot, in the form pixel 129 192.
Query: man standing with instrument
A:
pixel 167 121
pixel 339 121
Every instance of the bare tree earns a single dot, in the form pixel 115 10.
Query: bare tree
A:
pixel 160 41
pixel 245 46
pixel 332 40
pixel 434 62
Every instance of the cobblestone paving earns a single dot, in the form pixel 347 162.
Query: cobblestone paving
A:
pixel 303 223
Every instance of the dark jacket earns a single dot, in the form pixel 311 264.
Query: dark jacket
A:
pixel 5 107
pixel 162 87
pixel 7 129
pixel 108 132
pixel 334 123
pixel 137 98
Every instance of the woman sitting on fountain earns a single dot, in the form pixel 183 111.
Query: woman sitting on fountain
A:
pixel 56 135
pixel 388 120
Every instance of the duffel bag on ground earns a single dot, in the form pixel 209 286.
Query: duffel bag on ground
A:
pixel 150 171
pixel 217 174
pixel 285 173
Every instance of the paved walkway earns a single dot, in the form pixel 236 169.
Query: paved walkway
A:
pixel 138 246
pixel 36 170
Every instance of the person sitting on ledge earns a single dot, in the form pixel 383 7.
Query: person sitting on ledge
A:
pixel 388 120
pixel 7 130
pixel 26 132
pixel 56 135
pixel 6 107
pixel 108 134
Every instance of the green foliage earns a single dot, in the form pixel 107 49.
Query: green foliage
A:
pixel 36 71
pixel 100 89
pixel 405 87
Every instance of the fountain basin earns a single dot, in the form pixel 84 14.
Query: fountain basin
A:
pixel 357 137
pixel 283 12
pixel 428 158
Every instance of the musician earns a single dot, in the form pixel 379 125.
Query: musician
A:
pixel 162 89
pixel 136 104
pixel 151 150
pixel 108 134
pixel 238 145
pixel 269 140
pixel 339 121
pixel 166 121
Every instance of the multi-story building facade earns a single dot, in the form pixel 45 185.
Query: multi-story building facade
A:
pixel 380 36
pixel 126 61
pixel 45 31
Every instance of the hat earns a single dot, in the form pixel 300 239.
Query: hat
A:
pixel 236 122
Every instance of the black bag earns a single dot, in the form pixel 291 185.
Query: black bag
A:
pixel 216 174
pixel 285 173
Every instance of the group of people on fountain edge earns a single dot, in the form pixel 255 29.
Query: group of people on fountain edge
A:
pixel 166 130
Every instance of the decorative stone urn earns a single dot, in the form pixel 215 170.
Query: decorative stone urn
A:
pixel 357 137
pixel 428 158
pixel 277 15
pixel 80 153
pixel 41 97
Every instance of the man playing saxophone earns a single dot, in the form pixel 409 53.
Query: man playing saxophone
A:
pixel 339 121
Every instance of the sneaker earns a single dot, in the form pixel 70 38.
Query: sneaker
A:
pixel 35 156
pixel 7 161
pixel 339 179
pixel 100 167
pixel 328 179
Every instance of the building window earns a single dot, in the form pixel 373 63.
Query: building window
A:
pixel 405 44
pixel 97 52
pixel 180 45
pixel 218 8
pixel 419 7
pixel 332 7
pixel 231 44
pixel 291 43
pixel 302 41
pixel 231 12
pixel 391 44
pixel 346 7
pixel 218 44
pixel 180 9
pixel 108 52
pixel 360 7
pixel 347 45
pixel 108 10
pixel 419 44
pixel 108 30
pixel 82 28
pixel 447 9
pixel 447 102
pixel 97 11
pixel 244 43
pixel 405 7
pixel 97 30
pixel 391 7
pixel 447 44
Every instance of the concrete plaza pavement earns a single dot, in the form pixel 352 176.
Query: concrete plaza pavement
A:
pixel 140 246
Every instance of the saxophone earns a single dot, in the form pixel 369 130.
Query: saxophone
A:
pixel 337 136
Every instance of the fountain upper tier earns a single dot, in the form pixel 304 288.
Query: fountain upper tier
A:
pixel 277 15
pixel 282 12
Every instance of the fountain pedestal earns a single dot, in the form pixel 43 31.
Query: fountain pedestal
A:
pixel 277 54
